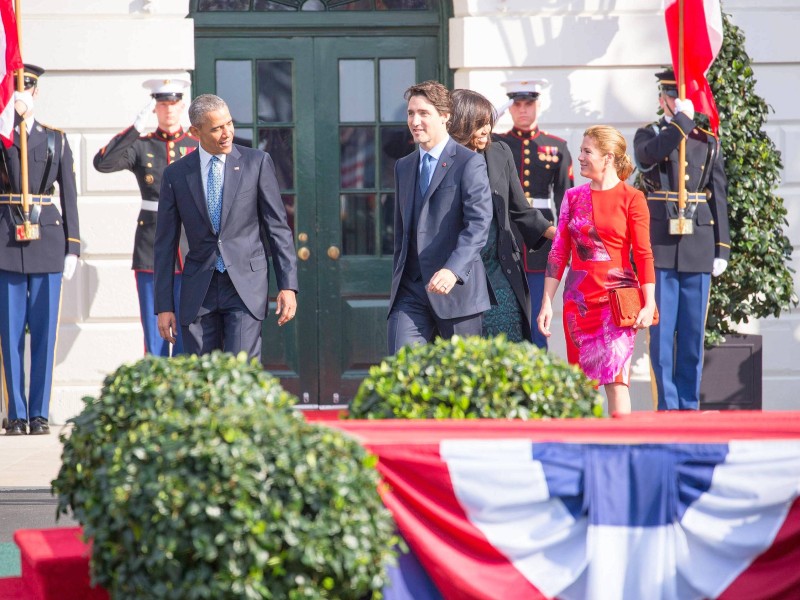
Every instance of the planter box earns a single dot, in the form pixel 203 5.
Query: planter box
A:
pixel 732 374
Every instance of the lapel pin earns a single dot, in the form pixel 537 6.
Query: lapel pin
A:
pixel 444 165
pixel 235 168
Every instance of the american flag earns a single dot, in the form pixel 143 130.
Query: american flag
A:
pixel 9 46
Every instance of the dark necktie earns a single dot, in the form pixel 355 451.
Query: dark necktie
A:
pixel 214 199
pixel 425 174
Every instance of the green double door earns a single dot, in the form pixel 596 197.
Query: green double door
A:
pixel 330 112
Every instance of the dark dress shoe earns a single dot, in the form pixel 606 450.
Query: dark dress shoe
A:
pixel 16 427
pixel 39 426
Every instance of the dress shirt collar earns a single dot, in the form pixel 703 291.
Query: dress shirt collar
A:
pixel 435 152
pixel 205 158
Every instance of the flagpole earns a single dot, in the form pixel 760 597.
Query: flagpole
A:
pixel 23 138
pixel 682 148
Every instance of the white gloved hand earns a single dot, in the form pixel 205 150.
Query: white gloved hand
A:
pixel 70 262
pixel 26 98
pixel 720 264
pixel 685 106
pixel 140 122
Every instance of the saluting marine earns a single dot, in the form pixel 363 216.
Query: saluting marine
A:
pixel 545 171
pixel 31 268
pixel 146 156
pixel 685 256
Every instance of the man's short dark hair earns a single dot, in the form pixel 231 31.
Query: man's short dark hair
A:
pixel 434 92
pixel 203 104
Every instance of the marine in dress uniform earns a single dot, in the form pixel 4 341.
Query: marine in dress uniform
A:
pixel 545 171
pixel 146 156
pixel 31 270
pixel 684 262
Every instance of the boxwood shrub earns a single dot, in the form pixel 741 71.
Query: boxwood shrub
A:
pixel 467 378
pixel 195 479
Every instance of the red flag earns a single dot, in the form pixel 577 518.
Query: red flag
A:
pixel 702 40
pixel 9 48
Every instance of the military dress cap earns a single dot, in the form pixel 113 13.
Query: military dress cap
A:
pixel 168 90
pixel 667 82
pixel 31 74
pixel 525 88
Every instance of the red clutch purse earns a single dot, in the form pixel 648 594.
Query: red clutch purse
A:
pixel 626 302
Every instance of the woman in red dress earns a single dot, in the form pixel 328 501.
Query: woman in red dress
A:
pixel 599 224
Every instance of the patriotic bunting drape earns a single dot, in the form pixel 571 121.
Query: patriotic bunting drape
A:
pixel 673 507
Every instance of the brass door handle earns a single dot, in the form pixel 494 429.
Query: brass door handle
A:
pixel 334 253
pixel 303 253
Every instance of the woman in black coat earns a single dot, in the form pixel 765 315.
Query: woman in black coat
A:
pixel 471 125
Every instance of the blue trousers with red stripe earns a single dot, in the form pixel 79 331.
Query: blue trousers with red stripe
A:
pixel 30 300
pixel 153 342
pixel 676 343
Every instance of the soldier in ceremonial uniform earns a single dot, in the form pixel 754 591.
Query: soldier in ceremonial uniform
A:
pixel 685 261
pixel 31 269
pixel 545 170
pixel 147 155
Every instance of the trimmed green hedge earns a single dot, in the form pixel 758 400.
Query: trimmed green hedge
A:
pixel 468 378
pixel 195 479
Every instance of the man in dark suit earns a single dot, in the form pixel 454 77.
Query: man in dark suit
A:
pixel 146 156
pixel 685 262
pixel 545 170
pixel 443 209
pixel 31 268
pixel 225 195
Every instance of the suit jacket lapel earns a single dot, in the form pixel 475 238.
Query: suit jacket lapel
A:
pixel 233 176
pixel 195 182
pixel 407 182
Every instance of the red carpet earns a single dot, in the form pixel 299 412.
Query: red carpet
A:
pixel 55 566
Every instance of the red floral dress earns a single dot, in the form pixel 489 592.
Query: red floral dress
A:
pixel 597 231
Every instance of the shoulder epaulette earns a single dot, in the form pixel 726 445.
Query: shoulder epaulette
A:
pixel 706 131
pixel 56 129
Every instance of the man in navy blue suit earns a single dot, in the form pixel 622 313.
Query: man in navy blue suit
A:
pixel 443 209
pixel 225 195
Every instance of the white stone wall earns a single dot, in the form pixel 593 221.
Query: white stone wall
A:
pixel 97 54
pixel 600 57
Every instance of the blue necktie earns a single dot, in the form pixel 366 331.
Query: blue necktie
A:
pixel 214 199
pixel 425 174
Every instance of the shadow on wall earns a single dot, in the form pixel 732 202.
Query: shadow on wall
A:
pixel 78 292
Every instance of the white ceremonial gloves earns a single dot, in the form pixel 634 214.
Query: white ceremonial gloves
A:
pixel 70 262
pixel 685 106
pixel 26 98
pixel 720 264
pixel 140 122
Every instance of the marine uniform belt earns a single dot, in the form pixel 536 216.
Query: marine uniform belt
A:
pixel 673 196
pixel 151 205
pixel 540 202
pixel 32 199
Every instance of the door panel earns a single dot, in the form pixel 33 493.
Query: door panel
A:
pixel 330 111
pixel 355 198
pixel 268 85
